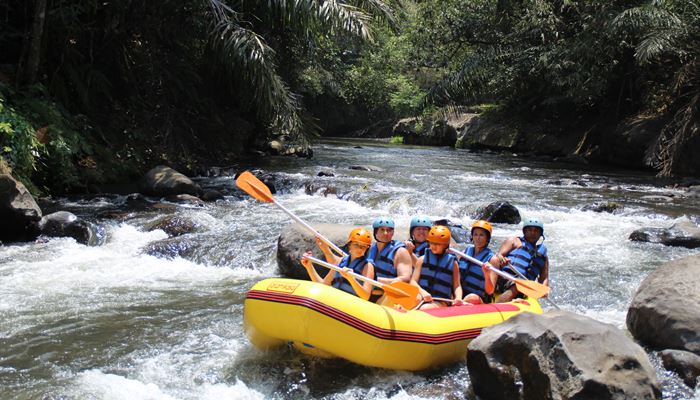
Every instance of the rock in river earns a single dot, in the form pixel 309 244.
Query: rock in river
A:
pixel 559 355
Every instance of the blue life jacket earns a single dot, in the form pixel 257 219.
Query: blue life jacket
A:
pixel 420 248
pixel 528 259
pixel 436 274
pixel 471 275
pixel 384 261
pixel 357 266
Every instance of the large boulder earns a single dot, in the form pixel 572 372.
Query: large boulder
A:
pixel 165 181
pixel 559 355
pixel 67 224
pixel 498 212
pixel 683 233
pixel 664 311
pixel 19 212
pixel 482 133
pixel 295 240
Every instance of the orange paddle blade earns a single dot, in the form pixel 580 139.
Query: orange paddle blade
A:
pixel 402 293
pixel 532 289
pixel 248 183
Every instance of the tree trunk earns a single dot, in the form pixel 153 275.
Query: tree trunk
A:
pixel 29 65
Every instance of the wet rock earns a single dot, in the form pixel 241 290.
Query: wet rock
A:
pixel 313 188
pixel 66 224
pixel 137 201
pixel 657 198
pixel 295 240
pixel 276 147
pixel 212 195
pixel 19 212
pixel 370 168
pixel 683 233
pixel 185 199
pixel 173 225
pixel 684 363
pixel 165 181
pixel 438 132
pixel 267 178
pixel 498 212
pixel 325 173
pixel 664 311
pixel 479 132
pixel 693 192
pixel 608 207
pixel 459 233
pixel 559 355
pixel 171 248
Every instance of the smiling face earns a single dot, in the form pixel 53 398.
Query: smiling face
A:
pixel 420 234
pixel 532 233
pixel 480 237
pixel 384 234
pixel 357 249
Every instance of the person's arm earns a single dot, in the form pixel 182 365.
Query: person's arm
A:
pixel 500 259
pixel 410 246
pixel 363 291
pixel 403 265
pixel 456 285
pixel 544 273
pixel 330 257
pixel 315 277
pixel 490 278
pixel 415 277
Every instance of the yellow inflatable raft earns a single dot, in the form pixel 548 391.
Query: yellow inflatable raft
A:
pixel 324 321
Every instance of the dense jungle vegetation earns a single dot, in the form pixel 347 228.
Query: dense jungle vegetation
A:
pixel 98 91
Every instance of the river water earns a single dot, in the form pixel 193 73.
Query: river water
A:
pixel 112 322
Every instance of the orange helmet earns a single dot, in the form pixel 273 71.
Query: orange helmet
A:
pixel 360 235
pixel 483 225
pixel 439 234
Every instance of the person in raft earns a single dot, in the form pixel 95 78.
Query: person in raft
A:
pixel 524 255
pixel 358 242
pixel 391 260
pixel 477 280
pixel 437 272
pixel 418 232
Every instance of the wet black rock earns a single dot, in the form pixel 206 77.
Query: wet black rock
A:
pixel 459 233
pixel 370 168
pixel 66 224
pixel 19 211
pixel 325 173
pixel 684 363
pixel 559 355
pixel 608 207
pixel 187 199
pixel 314 188
pixel 664 311
pixel 171 248
pixel 173 225
pixel 211 195
pixel 498 212
pixel 165 181
pixel 683 234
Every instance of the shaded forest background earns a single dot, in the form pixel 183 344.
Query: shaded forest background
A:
pixel 93 92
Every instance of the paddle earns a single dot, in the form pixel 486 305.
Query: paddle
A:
pixel 399 292
pixel 532 289
pixel 520 274
pixel 248 183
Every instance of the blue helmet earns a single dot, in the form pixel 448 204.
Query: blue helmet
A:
pixel 534 222
pixel 420 220
pixel 383 222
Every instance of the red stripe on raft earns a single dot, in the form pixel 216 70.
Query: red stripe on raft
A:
pixel 470 310
pixel 382 333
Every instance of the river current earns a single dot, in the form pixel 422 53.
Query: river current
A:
pixel 113 322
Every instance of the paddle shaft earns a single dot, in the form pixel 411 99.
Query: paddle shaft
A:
pixel 353 274
pixel 479 263
pixel 310 228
